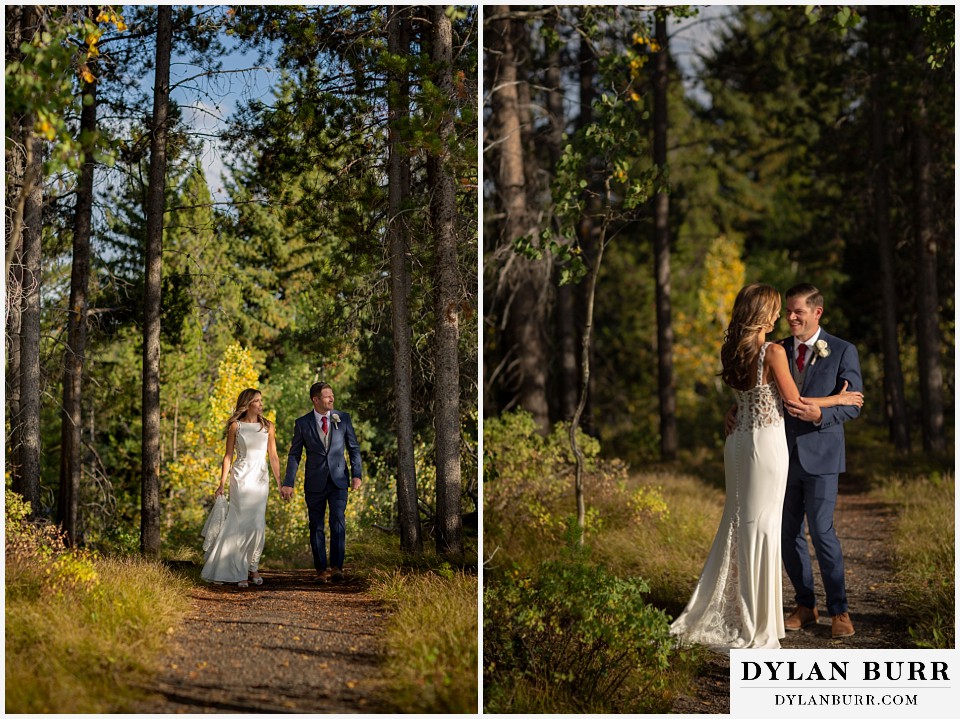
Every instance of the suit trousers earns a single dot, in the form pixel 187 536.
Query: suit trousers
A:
pixel 814 497
pixel 317 503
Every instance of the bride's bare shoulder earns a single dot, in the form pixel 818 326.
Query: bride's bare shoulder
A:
pixel 776 351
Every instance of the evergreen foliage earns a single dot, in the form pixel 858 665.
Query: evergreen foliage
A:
pixel 770 179
pixel 291 266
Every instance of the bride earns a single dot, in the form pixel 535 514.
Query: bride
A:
pixel 738 600
pixel 234 555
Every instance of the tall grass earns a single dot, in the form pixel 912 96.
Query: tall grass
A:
pixel 668 549
pixel 924 554
pixel 81 631
pixel 431 640
pixel 84 647
pixel 432 634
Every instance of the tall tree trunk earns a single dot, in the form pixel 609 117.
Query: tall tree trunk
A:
pixel 15 167
pixel 661 245
pixel 398 44
pixel 895 405
pixel 524 279
pixel 447 389
pixel 928 315
pixel 25 215
pixel 71 423
pixel 28 421
pixel 150 452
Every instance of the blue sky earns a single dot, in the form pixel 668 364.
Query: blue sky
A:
pixel 208 103
pixel 692 37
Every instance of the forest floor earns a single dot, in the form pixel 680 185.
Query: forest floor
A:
pixel 865 528
pixel 291 645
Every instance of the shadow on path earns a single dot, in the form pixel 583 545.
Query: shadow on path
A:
pixel 290 645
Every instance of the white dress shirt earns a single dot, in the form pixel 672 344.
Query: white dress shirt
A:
pixel 809 343
pixel 317 416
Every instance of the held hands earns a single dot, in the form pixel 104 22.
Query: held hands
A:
pixel 287 492
pixel 219 492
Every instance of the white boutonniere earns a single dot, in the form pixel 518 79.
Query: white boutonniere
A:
pixel 336 420
pixel 820 349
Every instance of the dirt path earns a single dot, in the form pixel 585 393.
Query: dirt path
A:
pixel 290 645
pixel 865 527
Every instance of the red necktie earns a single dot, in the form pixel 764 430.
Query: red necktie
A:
pixel 323 423
pixel 802 352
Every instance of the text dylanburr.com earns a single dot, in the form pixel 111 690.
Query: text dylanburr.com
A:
pixel 856 682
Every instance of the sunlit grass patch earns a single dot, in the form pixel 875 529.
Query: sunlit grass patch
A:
pixel 86 647
pixel 431 640
pixel 668 551
pixel 924 554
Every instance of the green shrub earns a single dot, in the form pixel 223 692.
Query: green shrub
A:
pixel 573 638
pixel 528 491
pixel 37 559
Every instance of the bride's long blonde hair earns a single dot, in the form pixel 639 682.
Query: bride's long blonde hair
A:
pixel 755 308
pixel 243 401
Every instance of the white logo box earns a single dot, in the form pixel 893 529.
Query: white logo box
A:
pixel 844 682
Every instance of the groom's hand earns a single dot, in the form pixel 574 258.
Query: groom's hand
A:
pixel 286 492
pixel 355 484
pixel 730 421
pixel 803 410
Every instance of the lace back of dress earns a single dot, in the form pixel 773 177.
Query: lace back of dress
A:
pixel 761 405
pixel 760 359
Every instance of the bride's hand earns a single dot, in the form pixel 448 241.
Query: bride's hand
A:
pixel 219 492
pixel 850 398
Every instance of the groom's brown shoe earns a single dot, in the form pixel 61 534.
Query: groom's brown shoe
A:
pixel 336 574
pixel 801 617
pixel 842 626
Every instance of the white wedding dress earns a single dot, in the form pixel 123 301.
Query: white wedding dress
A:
pixel 237 548
pixel 738 602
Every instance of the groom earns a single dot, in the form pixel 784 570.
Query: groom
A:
pixel 820 364
pixel 325 434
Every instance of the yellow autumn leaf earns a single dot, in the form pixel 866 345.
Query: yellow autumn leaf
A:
pixel 87 75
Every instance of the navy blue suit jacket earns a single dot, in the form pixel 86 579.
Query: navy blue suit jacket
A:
pixel 821 449
pixel 323 465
